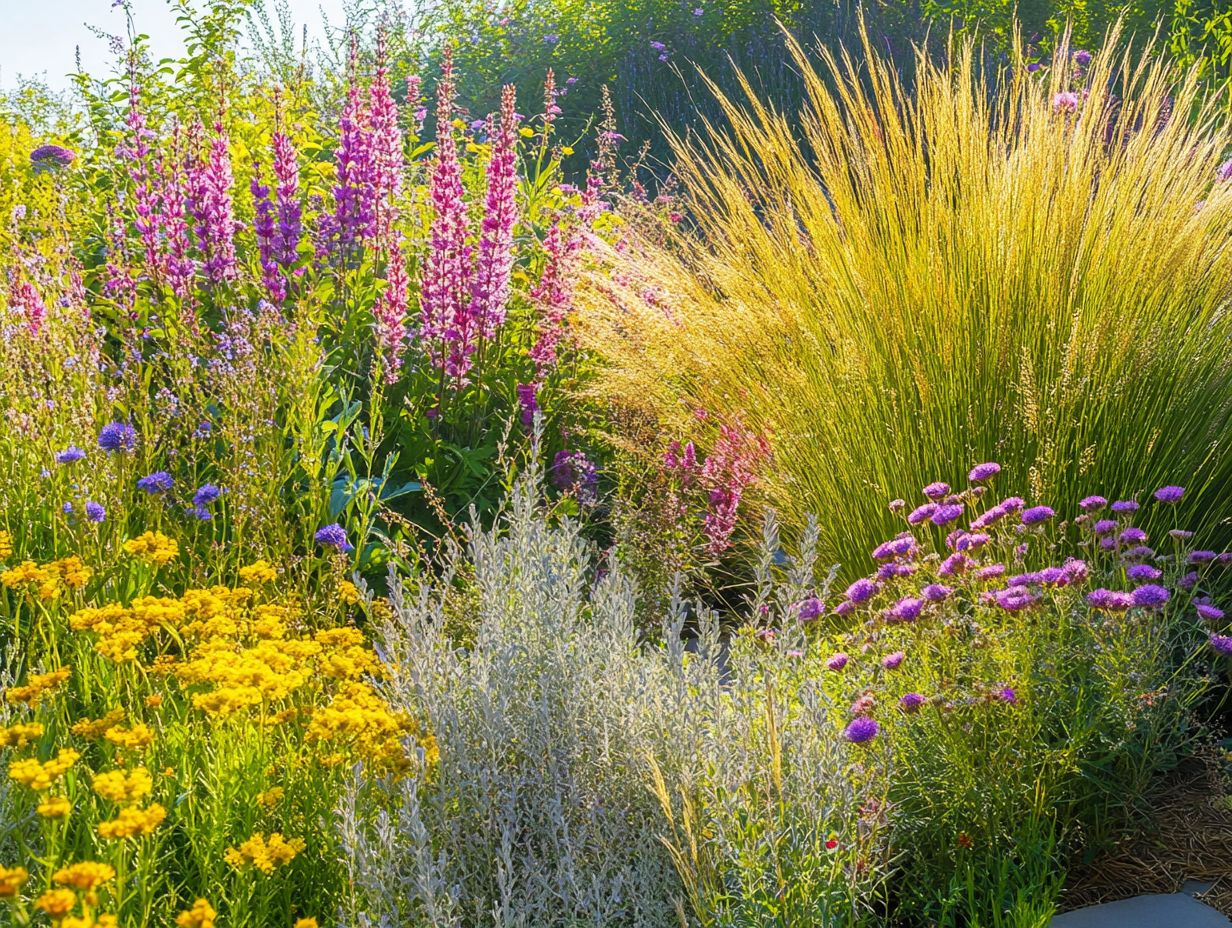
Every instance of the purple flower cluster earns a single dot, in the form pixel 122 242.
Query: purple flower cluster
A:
pixel 333 536
pixel 117 436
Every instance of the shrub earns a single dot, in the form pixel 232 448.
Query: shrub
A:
pixel 879 280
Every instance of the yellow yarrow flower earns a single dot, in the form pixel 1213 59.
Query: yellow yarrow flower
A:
pixel 152 547
pixel 57 903
pixel 132 822
pixel 270 797
pixel 54 807
pixel 85 875
pixel 265 854
pixel 6 545
pixel 124 785
pixel 93 729
pixel 306 923
pixel 135 737
pixel 201 915
pixel 258 572
pixel 12 879
pixel 37 687
pixel 19 734
pixel 39 776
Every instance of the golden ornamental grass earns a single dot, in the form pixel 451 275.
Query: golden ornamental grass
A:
pixel 897 283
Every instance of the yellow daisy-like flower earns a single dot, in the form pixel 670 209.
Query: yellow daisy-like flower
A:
pixel 37 687
pixel 132 821
pixel 19 735
pixel 306 923
pixel 265 854
pixel 86 875
pixel 93 729
pixel 39 776
pixel 6 545
pixel 152 547
pixel 12 879
pixel 54 807
pixel 258 572
pixel 57 903
pixel 201 915
pixel 136 736
pixel 124 786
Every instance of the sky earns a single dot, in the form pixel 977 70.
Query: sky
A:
pixel 39 38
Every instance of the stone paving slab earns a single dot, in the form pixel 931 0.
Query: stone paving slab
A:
pixel 1172 910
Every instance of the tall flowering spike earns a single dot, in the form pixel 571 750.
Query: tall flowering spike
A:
pixel 263 226
pixel 352 207
pixel 173 199
pixel 494 267
pixel 729 470
pixel 209 186
pixel 118 282
pixel 551 109
pixel 24 298
pixel 136 150
pixel 445 274
pixel 388 159
pixel 390 311
pixel 553 294
pixel 289 231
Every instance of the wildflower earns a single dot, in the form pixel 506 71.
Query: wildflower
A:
pixel 1150 596
pixel 19 735
pixel 39 776
pixel 810 609
pixel 936 491
pixel 831 843
pixel 11 881
pixel 1082 57
pixel 1125 505
pixel 906 609
pixel 1016 598
pixel 982 472
pixel 201 915
pixel 258 572
pixel 1169 494
pixel 911 702
pixel 893 661
pixel 69 455
pixel 37 687
pixel 158 482
pixel 1143 572
pixel 1092 503
pixel 133 822
pixel 946 513
pixel 1007 695
pixel 152 547
pixel 990 572
pixel 47 156
pixel 54 807
pixel 134 737
pixel 1222 644
pixel 1132 536
pixel 1209 612
pixel 117 436
pixel 921 513
pixel 862 590
pixel 837 661
pixel 334 536
pixel 57 903
pixel 264 854
pixel 936 592
pixel 954 564
pixel 85 875
pixel 1109 600
pixel 1224 173
pixel 1201 557
pixel 1065 102
pixel 1036 514
pixel 6 544
pixel 124 786
pixel 206 494
pixel 972 541
pixel 965 841
pixel 864 729
pixel 348 592
pixel 95 512
pixel 1105 526
pixel 305 923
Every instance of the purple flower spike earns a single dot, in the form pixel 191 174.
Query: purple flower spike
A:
pixel 1150 596
pixel 334 536
pixel 95 512
pixel 1037 514
pixel 983 472
pixel 1169 494
pixel 861 730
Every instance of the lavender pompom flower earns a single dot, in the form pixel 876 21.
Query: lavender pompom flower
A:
pixel 921 513
pixel 911 702
pixel 1125 505
pixel 936 592
pixel 333 536
pixel 1105 526
pixel 1143 572
pixel 1209 612
pixel 95 512
pixel 158 482
pixel 1201 557
pixel 117 436
pixel 1016 598
pixel 1037 514
pixel 206 494
pixel 1150 596
pixel 945 514
pixel 905 610
pixel 862 590
pixel 69 455
pixel 990 572
pixel 52 156
pixel 1221 643
pixel 1082 57
pixel 1109 600
pixel 864 729
pixel 810 609
pixel 837 661
pixel 1169 494
pixel 1132 536
pixel 936 491
pixel 1007 695
pixel 1092 503
pixel 893 661
pixel 984 471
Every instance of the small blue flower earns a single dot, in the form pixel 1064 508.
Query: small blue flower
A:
pixel 334 536
pixel 158 482
pixel 117 436
pixel 95 512
pixel 69 455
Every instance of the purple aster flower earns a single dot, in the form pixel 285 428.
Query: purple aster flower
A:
pixel 846 607
pixel 1209 612
pixel 1189 581
pixel 1016 598
pixel 936 592
pixel 1169 494
pixel 1109 600
pixel 1221 643
pixel 905 610
pixel 1065 102
pixel 920 514
pixel 837 661
pixel 69 455
pixel 1026 579
pixel 861 730
pixel 200 513
pixel 983 472
pixel 1013 503
pixel 1092 503
pixel 48 156
pixel 1076 571
pixel 117 436
pixel 990 572
pixel 898 505
pixel 95 512
pixel 1138 553
pixel 1053 576
pixel 1037 514
pixel 911 702
pixel 992 516
pixel 810 609
pixel 1143 572
pixel 1180 534
pixel 206 494
pixel 1150 596
pixel 1224 172
pixel 334 536
pixel 1082 57
pixel 1105 526
pixel 972 541
pixel 1132 536
pixel 158 482
pixel 1201 557
pixel 936 491
pixel 947 513
pixel 954 564
pixel 893 660
pixel 862 590
pixel 1125 505
pixel 1007 695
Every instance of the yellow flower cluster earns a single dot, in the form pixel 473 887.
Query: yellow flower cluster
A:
pixel 37 687
pixel 132 821
pixel 85 875
pixel 201 915
pixel 48 578
pixel 93 729
pixel 135 737
pixel 19 735
pixel 6 545
pixel 54 807
pixel 258 572
pixel 152 547
pixel 359 722
pixel 122 630
pixel 124 786
pixel 12 879
pixel 39 776
pixel 265 854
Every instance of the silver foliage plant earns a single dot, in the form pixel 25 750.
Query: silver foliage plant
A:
pixel 572 752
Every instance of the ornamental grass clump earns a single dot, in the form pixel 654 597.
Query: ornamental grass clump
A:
pixel 1022 264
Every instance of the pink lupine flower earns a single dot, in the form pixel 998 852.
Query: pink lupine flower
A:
pixel 725 475
pixel 136 150
pixel 390 310
pixel 352 219
pixel 209 186
pixel 173 202
pixel 286 197
pixel 263 226
pixel 494 269
pixel 386 157
pixel 553 295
